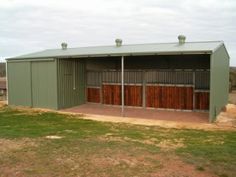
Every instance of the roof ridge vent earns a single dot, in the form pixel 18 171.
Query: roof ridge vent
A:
pixel 118 42
pixel 63 46
pixel 182 39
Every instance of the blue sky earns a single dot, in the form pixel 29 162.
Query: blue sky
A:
pixel 27 26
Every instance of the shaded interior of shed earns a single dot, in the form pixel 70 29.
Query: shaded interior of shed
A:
pixel 201 61
pixel 179 82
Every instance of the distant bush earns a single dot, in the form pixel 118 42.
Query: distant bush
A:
pixel 2 69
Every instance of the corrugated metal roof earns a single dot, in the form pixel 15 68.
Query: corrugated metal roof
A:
pixel 135 49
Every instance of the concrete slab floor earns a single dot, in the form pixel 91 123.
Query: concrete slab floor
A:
pixel 132 112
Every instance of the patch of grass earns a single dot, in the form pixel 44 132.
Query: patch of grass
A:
pixel 106 149
pixel 216 149
pixel 199 168
pixel 15 124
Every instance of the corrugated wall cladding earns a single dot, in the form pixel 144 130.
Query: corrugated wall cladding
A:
pixel 44 84
pixel 202 80
pixel 111 76
pixel 94 79
pixel 169 77
pixel 33 83
pixel 115 77
pixel 19 83
pixel 71 82
pixel 219 81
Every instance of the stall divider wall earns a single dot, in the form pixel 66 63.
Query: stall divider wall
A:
pixel 162 89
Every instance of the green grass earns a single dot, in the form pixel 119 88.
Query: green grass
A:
pixel 106 149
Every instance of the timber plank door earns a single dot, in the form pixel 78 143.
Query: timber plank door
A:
pixel 202 100
pixel 169 97
pixel 93 95
pixel 169 89
pixel 133 95
pixel 111 88
pixel 93 90
pixel 111 94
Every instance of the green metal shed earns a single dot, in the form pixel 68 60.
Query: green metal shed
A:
pixel 184 76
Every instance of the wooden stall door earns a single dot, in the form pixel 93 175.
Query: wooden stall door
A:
pixel 169 97
pixel 133 95
pixel 202 100
pixel 93 95
pixel 111 94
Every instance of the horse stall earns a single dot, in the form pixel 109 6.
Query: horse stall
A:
pixel 154 84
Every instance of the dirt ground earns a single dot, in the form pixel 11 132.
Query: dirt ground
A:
pixel 228 118
pixel 106 154
pixel 232 97
pixel 225 121
pixel 3 103
pixel 138 112
pixel 162 118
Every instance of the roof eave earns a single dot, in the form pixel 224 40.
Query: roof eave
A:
pixel 117 55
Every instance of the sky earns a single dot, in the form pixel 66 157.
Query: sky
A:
pixel 27 26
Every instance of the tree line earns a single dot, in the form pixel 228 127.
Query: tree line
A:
pixel 2 69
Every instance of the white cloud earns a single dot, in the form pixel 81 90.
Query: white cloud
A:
pixel 27 25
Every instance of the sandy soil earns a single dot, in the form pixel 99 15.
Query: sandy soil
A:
pixel 3 103
pixel 232 97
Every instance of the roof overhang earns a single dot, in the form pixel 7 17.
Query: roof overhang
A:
pixel 46 58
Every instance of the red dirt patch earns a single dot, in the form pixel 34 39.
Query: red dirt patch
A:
pixel 149 114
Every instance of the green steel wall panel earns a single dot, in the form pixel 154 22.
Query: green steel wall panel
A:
pixel 219 82
pixel 80 80
pixel 65 84
pixel 71 82
pixel 44 86
pixel 19 83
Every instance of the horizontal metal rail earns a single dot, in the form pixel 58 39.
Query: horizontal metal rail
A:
pixel 202 91
pixel 171 85
pixel 108 83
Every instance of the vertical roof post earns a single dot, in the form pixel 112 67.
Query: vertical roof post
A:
pixel 122 87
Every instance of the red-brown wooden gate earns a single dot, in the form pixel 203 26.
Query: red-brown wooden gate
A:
pixel 171 97
pixel 112 95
